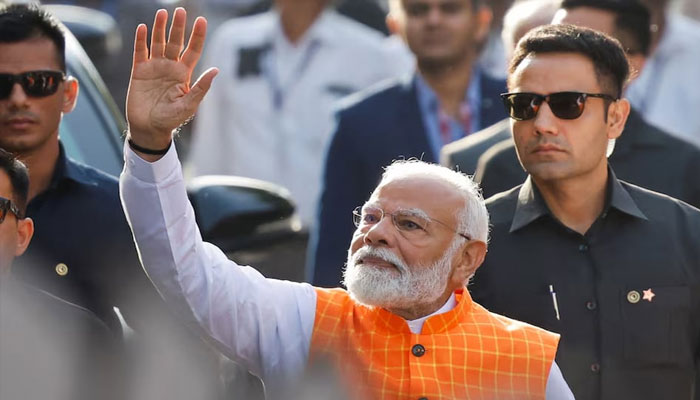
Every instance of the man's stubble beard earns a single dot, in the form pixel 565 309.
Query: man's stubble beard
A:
pixel 381 287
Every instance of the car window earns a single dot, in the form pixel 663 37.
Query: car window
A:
pixel 91 133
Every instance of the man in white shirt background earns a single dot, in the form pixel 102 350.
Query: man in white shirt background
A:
pixel 282 72
pixel 667 91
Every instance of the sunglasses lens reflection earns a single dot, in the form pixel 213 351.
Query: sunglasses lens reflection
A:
pixel 564 105
pixel 34 83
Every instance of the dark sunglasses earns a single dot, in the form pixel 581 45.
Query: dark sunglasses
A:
pixel 34 83
pixel 8 205
pixel 564 105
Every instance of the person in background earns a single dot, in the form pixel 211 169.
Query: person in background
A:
pixel 666 91
pixel 491 56
pixel 518 20
pixel 50 348
pixel 643 155
pixel 612 267
pixel 272 114
pixel 447 98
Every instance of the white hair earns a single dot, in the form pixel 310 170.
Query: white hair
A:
pixel 473 218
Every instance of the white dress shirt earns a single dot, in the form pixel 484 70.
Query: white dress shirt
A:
pixel 667 93
pixel 264 324
pixel 271 119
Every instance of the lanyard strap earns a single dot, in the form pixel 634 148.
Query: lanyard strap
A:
pixel 280 91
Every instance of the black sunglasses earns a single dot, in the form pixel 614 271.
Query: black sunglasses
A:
pixel 8 205
pixel 34 83
pixel 564 105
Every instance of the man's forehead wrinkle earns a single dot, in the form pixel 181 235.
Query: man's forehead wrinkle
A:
pixel 408 210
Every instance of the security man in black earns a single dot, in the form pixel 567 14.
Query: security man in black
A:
pixel 612 267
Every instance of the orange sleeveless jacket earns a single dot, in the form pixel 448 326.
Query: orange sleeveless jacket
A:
pixel 466 353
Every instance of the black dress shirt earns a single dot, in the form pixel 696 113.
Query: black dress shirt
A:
pixel 627 292
pixel 82 250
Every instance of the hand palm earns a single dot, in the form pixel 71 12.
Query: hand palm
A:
pixel 161 96
pixel 156 95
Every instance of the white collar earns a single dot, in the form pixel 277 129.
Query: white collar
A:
pixel 416 325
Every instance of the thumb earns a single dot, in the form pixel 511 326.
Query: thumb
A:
pixel 200 88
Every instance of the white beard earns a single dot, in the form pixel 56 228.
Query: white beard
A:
pixel 381 287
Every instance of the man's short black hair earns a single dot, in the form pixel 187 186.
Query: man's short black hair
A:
pixel 608 58
pixel 20 22
pixel 632 21
pixel 19 178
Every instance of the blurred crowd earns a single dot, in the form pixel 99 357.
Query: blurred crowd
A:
pixel 318 97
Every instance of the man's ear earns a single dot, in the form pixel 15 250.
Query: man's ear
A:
pixel 70 94
pixel 617 117
pixel 25 231
pixel 472 255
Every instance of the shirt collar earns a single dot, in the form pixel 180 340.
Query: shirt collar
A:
pixel 447 317
pixel 68 170
pixel 531 206
pixel 416 325
pixel 429 102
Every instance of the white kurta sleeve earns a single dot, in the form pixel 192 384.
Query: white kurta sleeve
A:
pixel 261 323
pixel 557 388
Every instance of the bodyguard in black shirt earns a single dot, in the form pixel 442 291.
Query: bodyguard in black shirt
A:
pixel 613 268
pixel 83 251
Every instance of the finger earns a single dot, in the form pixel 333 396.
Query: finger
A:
pixel 199 89
pixel 196 43
pixel 140 47
pixel 176 39
pixel 158 34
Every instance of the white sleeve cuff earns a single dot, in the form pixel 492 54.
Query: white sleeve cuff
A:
pixel 151 172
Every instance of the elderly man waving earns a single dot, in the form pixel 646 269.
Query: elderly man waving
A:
pixel 405 328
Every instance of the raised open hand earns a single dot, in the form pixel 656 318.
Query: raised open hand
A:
pixel 160 96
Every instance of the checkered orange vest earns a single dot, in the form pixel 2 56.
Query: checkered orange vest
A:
pixel 466 353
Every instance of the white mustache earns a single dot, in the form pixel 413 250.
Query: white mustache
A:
pixel 381 253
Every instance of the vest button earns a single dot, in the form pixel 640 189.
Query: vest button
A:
pixel 583 248
pixel 418 350
pixel 595 367
pixel 591 305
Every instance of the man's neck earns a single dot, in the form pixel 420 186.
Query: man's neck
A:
pixel 576 202
pixel 449 82
pixel 41 164
pixel 297 17
pixel 421 310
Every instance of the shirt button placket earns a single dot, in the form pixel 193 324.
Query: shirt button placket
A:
pixel 418 350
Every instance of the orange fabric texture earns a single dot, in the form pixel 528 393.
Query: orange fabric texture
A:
pixel 466 353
